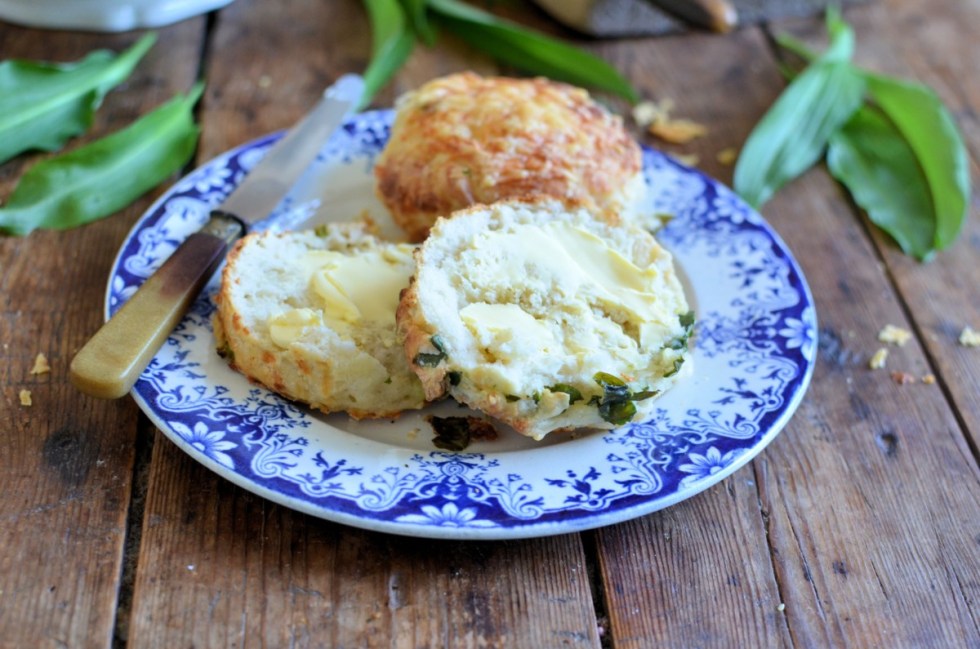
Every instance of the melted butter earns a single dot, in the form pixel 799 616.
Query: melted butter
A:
pixel 578 262
pixel 501 322
pixel 287 327
pixel 361 287
pixel 347 290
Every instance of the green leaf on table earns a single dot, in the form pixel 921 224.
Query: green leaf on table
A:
pixel 872 159
pixel 792 136
pixel 931 133
pixel 529 50
pixel 392 42
pixel 415 10
pixel 105 176
pixel 44 104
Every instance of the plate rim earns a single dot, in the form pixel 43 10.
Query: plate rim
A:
pixel 517 529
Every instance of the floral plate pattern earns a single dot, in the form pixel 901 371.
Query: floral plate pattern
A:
pixel 754 347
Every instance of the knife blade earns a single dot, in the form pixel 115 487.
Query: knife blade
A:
pixel 109 364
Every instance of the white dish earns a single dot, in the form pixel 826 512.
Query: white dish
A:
pixel 103 15
pixel 754 349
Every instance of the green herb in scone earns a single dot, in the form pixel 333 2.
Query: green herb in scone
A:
pixel 432 359
pixel 573 393
pixel 616 402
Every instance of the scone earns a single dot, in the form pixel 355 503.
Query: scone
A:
pixel 545 318
pixel 465 139
pixel 311 315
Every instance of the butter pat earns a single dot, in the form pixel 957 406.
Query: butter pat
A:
pixel 288 326
pixel 347 290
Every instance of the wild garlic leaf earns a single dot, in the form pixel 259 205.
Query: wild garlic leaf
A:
pixel 100 178
pixel 925 123
pixel 392 42
pixel 419 20
pixel 873 160
pixel 43 104
pixel 792 135
pixel 528 50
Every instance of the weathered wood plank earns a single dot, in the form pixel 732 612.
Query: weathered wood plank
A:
pixel 873 511
pixel 68 459
pixel 221 567
pixel 698 574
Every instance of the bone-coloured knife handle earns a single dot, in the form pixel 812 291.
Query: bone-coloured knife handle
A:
pixel 113 359
pixel 717 15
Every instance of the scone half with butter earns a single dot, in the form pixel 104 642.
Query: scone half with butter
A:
pixel 311 315
pixel 545 318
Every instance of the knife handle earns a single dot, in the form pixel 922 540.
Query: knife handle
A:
pixel 108 365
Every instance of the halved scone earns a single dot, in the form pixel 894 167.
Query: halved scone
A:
pixel 311 315
pixel 464 139
pixel 545 318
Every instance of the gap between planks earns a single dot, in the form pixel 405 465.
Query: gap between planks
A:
pixel 146 432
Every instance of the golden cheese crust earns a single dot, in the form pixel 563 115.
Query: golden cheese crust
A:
pixel 464 139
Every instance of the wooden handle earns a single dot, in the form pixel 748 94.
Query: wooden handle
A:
pixel 717 15
pixel 111 361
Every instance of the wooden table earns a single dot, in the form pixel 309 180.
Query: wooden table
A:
pixel 859 526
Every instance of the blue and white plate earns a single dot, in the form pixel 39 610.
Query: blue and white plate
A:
pixel 754 348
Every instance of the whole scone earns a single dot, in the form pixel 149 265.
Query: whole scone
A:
pixel 543 317
pixel 465 139
pixel 311 315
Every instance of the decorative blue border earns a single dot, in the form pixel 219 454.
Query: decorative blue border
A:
pixel 754 349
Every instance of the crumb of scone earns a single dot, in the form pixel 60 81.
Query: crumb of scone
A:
pixel 41 365
pixel 902 378
pixel 689 159
pixel 929 379
pixel 677 131
pixel 969 337
pixel 25 398
pixel 878 359
pixel 646 113
pixel 727 156
pixel 894 335
pixel 781 607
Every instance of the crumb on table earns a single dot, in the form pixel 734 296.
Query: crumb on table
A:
pixel 894 335
pixel 41 365
pixel 969 337
pixel 878 359
pixel 25 398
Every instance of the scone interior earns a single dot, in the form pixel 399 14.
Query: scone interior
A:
pixel 465 139
pixel 311 315
pixel 545 318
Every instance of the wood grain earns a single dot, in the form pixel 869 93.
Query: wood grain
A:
pixel 222 567
pixel 699 573
pixel 68 459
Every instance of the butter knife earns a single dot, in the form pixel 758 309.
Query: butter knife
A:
pixel 109 364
